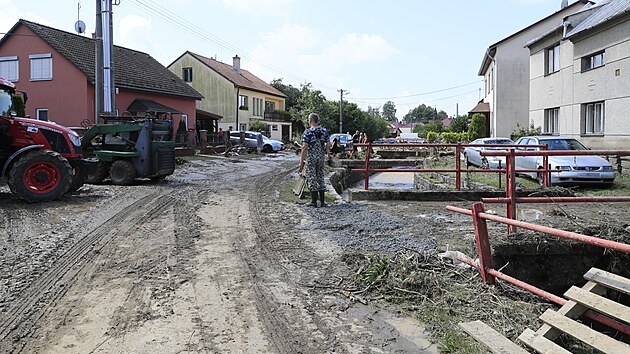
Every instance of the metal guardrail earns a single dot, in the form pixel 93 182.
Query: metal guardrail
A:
pixel 489 274
pixel 458 151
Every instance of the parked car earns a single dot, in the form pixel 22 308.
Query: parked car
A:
pixel 472 154
pixel 251 141
pixel 573 170
pixel 344 139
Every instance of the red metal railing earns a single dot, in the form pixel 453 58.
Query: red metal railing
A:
pixel 511 199
pixel 488 273
pixel 458 151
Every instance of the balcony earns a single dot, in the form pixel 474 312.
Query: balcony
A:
pixel 277 116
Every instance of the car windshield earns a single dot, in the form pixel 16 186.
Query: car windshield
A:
pixel 563 144
pixel 497 141
pixel 5 103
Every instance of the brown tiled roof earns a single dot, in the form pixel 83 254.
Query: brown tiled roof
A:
pixel 481 107
pixel 132 69
pixel 243 80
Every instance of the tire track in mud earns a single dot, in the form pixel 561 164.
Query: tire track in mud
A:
pixel 280 326
pixel 18 321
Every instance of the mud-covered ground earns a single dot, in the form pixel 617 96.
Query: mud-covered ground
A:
pixel 218 258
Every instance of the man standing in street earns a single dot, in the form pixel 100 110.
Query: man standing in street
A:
pixel 314 148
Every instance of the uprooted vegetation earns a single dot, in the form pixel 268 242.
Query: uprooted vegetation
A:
pixel 442 294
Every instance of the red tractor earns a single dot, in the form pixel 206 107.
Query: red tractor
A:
pixel 41 161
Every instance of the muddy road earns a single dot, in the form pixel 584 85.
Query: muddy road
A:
pixel 213 259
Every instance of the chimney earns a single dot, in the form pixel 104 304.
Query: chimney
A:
pixel 564 4
pixel 236 64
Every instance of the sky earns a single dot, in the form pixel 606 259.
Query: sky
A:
pixel 411 52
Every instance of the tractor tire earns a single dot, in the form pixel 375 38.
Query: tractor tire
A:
pixel 122 172
pixel 40 176
pixel 78 180
pixel 99 175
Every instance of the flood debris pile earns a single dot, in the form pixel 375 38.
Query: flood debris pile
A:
pixel 442 294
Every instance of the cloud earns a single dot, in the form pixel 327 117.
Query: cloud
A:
pixel 135 32
pixel 260 7
pixel 305 54
pixel 10 15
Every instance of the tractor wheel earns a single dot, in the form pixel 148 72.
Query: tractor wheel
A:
pixel 40 176
pixel 122 172
pixel 98 175
pixel 78 180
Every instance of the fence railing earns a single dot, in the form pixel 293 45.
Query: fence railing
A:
pixel 457 170
pixel 489 274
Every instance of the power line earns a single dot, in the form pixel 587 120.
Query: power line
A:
pixel 416 102
pixel 416 94
pixel 169 16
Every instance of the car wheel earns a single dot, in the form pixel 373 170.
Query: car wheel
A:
pixel 267 148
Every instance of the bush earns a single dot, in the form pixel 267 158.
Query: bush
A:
pixel 464 137
pixel 432 137
pixel 477 127
pixel 258 126
pixel 450 137
pixel 524 131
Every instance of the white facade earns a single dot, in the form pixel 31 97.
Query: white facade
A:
pixel 591 91
pixel 506 73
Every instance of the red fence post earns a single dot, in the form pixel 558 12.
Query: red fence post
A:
pixel 367 165
pixel 458 165
pixel 510 188
pixel 483 243
pixel 547 174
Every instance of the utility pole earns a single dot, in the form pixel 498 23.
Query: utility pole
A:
pixel 341 91
pixel 456 110
pixel 98 73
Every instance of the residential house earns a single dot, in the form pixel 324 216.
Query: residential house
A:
pixel 406 128
pixel 505 68
pixel 394 130
pixel 579 76
pixel 56 69
pixel 234 93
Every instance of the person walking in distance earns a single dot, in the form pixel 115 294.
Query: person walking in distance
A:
pixel 356 138
pixel 315 147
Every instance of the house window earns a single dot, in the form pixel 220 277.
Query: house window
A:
pixel 9 68
pixel 551 121
pixel 187 74
pixel 274 127
pixel 553 59
pixel 593 61
pixel 42 114
pixel 242 127
pixel 491 81
pixel 270 106
pixel 41 67
pixel 243 102
pixel 593 118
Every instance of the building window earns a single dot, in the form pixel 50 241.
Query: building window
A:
pixel 553 59
pixel 243 102
pixel 491 81
pixel 274 127
pixel 187 74
pixel 593 118
pixel 593 61
pixel 41 67
pixel 551 121
pixel 270 106
pixel 242 127
pixel 9 68
pixel 42 114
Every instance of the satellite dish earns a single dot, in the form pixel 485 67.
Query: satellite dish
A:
pixel 79 27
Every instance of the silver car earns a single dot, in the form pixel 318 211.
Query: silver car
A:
pixel 472 154
pixel 251 141
pixel 572 170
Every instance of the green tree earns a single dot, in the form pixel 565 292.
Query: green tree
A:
pixel 477 127
pixel 258 125
pixel 459 124
pixel 389 111
pixel 423 129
